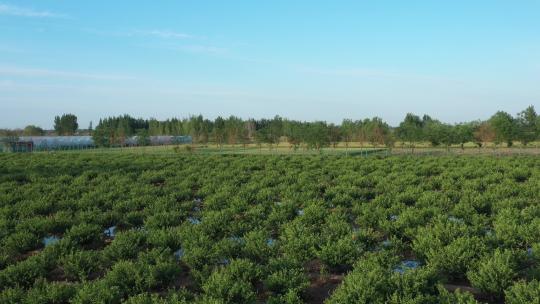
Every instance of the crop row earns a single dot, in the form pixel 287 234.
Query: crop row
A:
pixel 83 228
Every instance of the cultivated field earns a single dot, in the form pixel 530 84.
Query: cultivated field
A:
pixel 352 149
pixel 180 227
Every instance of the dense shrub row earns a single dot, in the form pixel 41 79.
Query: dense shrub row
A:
pixel 246 229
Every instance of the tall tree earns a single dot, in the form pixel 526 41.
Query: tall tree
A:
pixel 348 128
pixel 361 131
pixel 234 128
pixel 464 133
pixel 334 135
pixel 316 135
pixel 293 130
pixel 347 131
pixel 504 126
pixel 411 129
pixel 527 125
pixel 377 132
pixel 219 131
pixel 433 131
pixel 65 124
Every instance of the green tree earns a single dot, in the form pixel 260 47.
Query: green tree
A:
pixel 527 125
pixel 347 131
pixel 234 130
pixel 334 135
pixel 411 130
pixel 433 131
pixel 377 132
pixel 316 135
pixel 504 126
pixel 269 131
pixel 293 130
pixel 464 133
pixel 219 131
pixel 65 124
pixel 32 130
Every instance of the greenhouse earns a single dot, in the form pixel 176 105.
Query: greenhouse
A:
pixel 42 143
pixel 46 143
pixel 16 146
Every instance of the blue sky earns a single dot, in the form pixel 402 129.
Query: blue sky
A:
pixel 307 60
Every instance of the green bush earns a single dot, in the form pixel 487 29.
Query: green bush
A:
pixel 47 292
pixel 126 277
pixel 284 276
pixel 270 226
pixel 14 295
pixel 98 292
pixel 79 265
pixel 258 246
pixel 24 273
pixel 291 297
pixel 158 267
pixel 523 292
pixel 369 282
pixel 494 273
pixel 299 242
pixel 341 253
pixel 20 242
pixel 173 297
pixel 457 297
pixel 232 283
pixel 126 245
pixel 84 234
pixel 453 260
pixel 413 286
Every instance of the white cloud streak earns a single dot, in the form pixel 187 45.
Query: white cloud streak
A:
pixel 31 72
pixel 163 34
pixel 372 73
pixel 202 49
pixel 166 34
pixel 12 10
pixel 189 46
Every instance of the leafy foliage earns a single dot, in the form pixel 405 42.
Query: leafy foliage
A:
pixel 274 229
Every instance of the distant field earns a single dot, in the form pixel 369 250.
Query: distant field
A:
pixel 354 149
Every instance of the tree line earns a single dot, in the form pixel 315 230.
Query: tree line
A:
pixel 500 128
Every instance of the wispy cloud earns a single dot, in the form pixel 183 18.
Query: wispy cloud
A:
pixel 163 34
pixel 6 9
pixel 202 49
pixel 351 72
pixel 172 40
pixel 373 73
pixel 31 72
pixel 166 34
